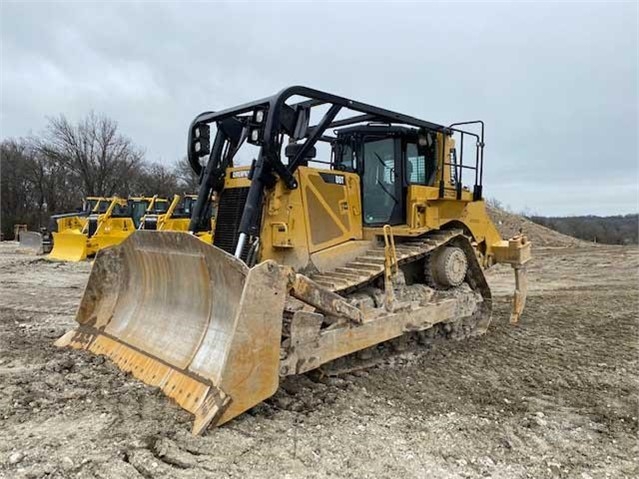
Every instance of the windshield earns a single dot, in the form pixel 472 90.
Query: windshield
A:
pixel 89 205
pixel 138 210
pixel 160 206
pixel 183 209
pixel 121 210
pixel 102 207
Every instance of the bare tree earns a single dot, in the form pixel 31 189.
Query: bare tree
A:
pixel 188 181
pixel 154 179
pixel 51 173
pixel 93 151
pixel 15 189
pixel 33 186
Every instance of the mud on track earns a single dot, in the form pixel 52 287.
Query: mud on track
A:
pixel 554 397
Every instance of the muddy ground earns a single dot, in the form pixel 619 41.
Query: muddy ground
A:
pixel 556 396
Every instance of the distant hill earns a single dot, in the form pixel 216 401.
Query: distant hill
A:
pixel 602 229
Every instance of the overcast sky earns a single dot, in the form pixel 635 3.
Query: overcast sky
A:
pixel 557 84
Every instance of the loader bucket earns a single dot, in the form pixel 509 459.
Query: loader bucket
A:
pixel 31 241
pixel 188 318
pixel 70 245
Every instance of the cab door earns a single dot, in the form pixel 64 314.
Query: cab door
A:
pixel 381 174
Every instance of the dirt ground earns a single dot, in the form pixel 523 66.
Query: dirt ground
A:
pixel 556 396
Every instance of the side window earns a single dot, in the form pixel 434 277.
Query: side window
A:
pixel 415 165
pixel 348 159
pixel 421 162
pixel 187 206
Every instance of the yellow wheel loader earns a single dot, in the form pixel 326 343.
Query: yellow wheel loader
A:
pixel 382 235
pixel 103 228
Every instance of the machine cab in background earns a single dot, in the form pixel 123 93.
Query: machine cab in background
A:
pixel 388 159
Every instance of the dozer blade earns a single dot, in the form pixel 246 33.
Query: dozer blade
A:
pixel 32 242
pixel 70 245
pixel 188 318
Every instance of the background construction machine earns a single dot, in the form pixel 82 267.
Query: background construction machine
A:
pixel 175 217
pixel 314 256
pixel 109 224
pixel 41 242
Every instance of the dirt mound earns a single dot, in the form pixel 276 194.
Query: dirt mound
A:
pixel 510 224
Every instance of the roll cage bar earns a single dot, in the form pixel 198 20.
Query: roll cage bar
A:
pixel 264 123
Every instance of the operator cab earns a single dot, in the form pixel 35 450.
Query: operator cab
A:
pixel 184 207
pixel 388 159
pixel 134 208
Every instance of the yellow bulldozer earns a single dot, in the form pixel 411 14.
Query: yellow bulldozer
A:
pixel 77 220
pixel 175 217
pixel 314 257
pixel 178 217
pixel 109 223
pixel 41 242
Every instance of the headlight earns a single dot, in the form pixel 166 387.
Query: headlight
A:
pixel 259 116
pixel 255 135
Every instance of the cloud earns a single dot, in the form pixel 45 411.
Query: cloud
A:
pixel 555 83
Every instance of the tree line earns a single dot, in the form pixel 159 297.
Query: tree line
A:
pixel 620 229
pixel 617 229
pixel 52 172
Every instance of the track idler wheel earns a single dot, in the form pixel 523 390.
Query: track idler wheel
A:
pixel 448 267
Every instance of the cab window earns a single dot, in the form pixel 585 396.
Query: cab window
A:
pixel 421 163
pixel 347 160
pixel 415 165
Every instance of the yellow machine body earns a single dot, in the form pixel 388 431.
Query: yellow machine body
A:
pixel 215 326
pixel 39 242
pixel 319 223
pixel 73 244
pixel 170 221
pixel 169 218
pixel 92 204
pixel 176 218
